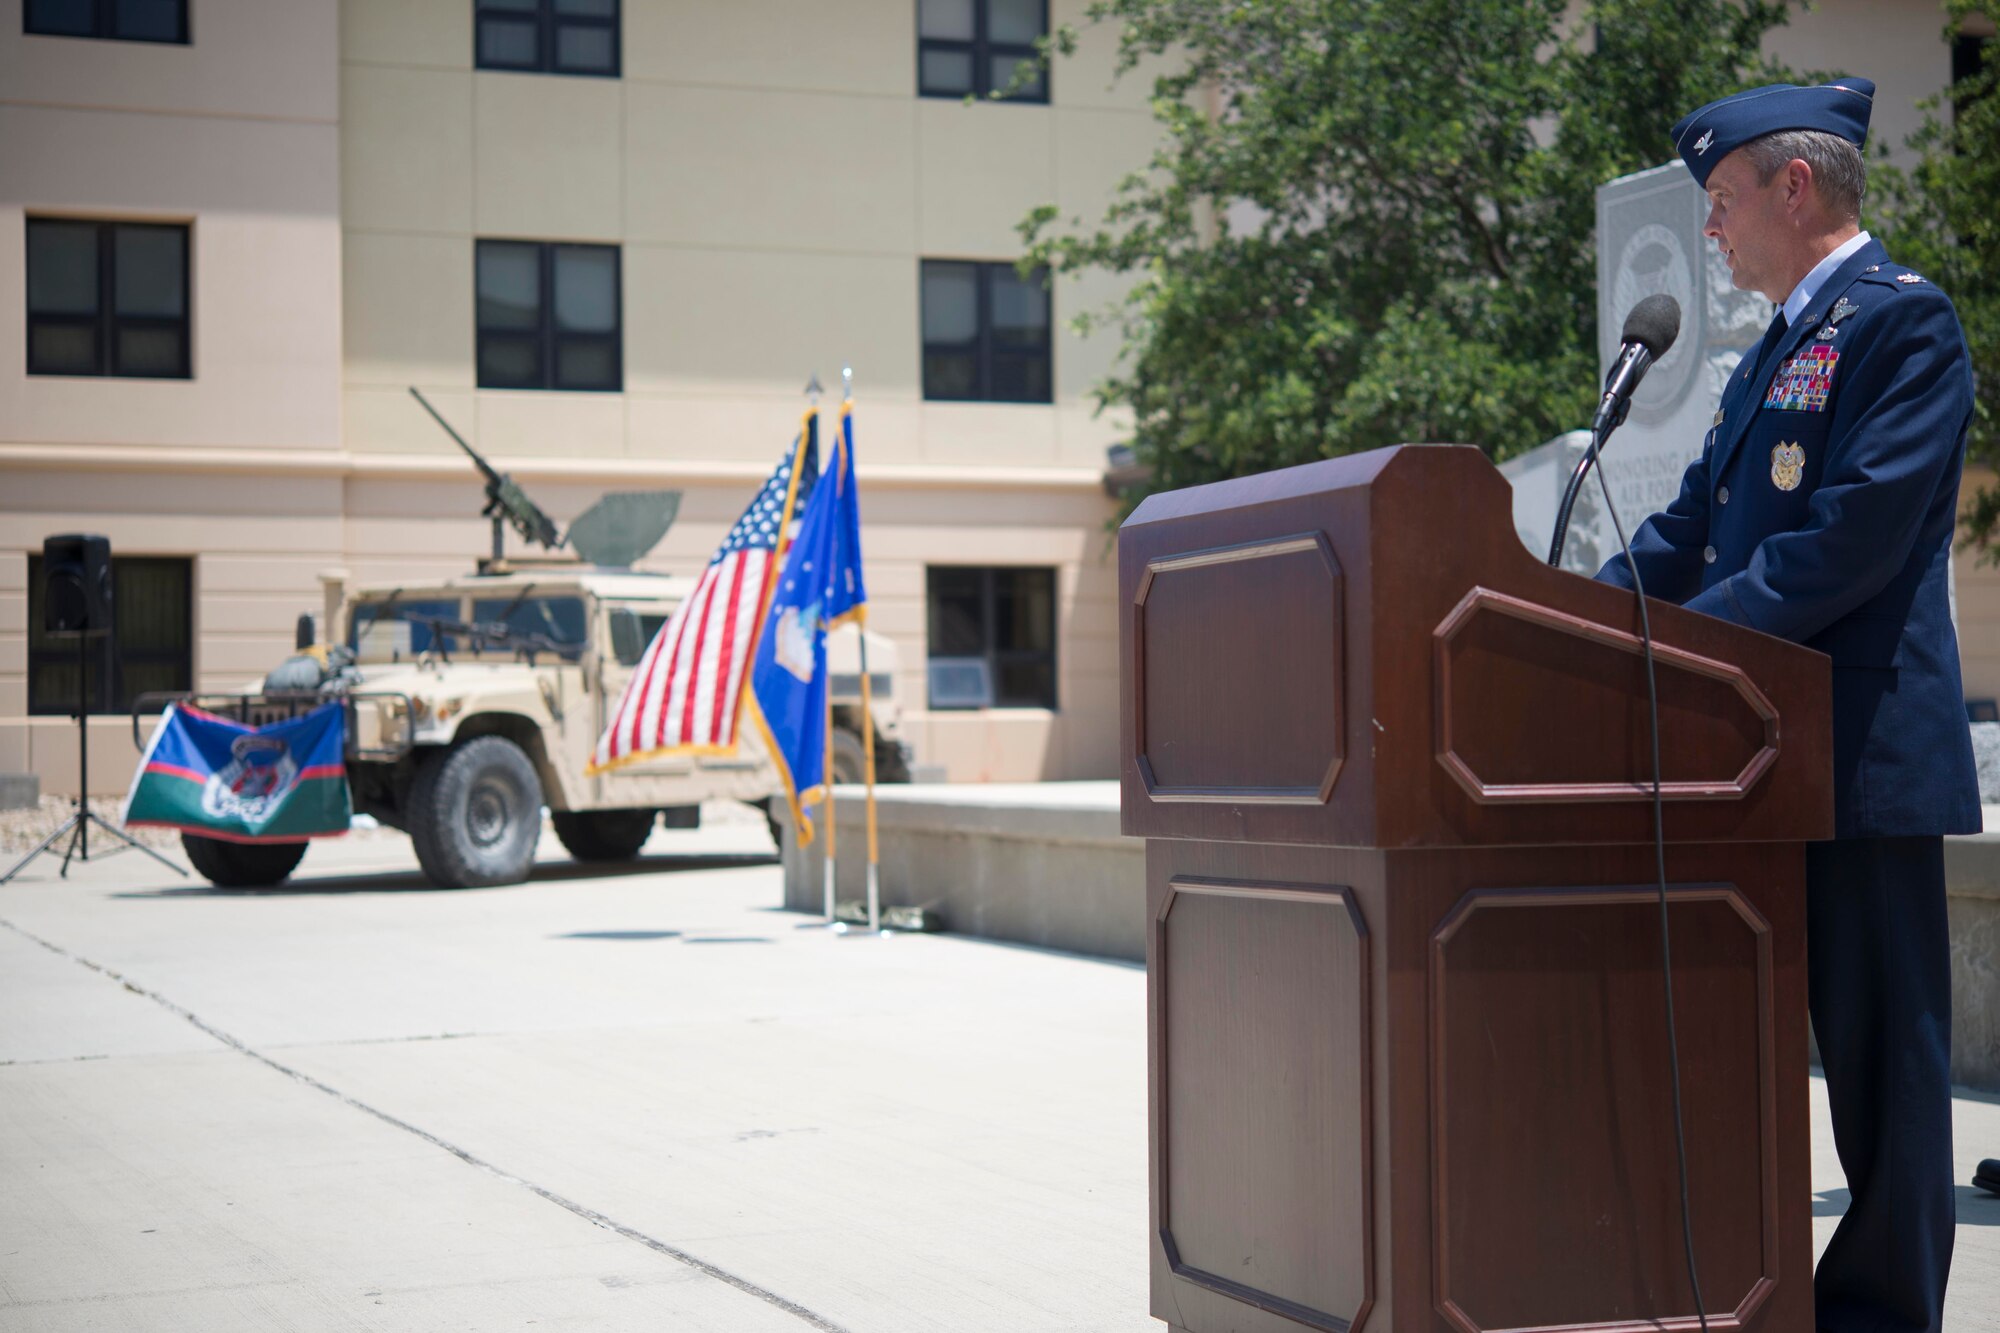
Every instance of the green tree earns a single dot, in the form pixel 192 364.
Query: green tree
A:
pixel 1941 216
pixel 1373 222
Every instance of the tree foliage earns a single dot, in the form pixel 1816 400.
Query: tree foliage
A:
pixel 1941 216
pixel 1373 222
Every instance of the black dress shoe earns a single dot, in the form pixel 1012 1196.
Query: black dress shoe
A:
pixel 1987 1177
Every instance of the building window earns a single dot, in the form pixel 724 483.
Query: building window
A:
pixel 992 637
pixel 120 20
pixel 548 36
pixel 975 47
pixel 107 298
pixel 986 333
pixel 1968 58
pixel 150 647
pixel 549 316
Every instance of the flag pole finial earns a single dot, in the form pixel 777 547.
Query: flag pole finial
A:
pixel 846 382
pixel 813 389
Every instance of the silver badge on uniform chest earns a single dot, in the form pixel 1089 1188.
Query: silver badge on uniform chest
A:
pixel 1841 310
pixel 1788 465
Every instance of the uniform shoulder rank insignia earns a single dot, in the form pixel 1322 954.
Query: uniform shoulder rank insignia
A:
pixel 1841 310
pixel 1788 465
pixel 1908 277
pixel 1803 383
pixel 1872 268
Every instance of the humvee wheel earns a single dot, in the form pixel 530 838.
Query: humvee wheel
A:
pixel 476 813
pixel 603 835
pixel 850 761
pixel 242 865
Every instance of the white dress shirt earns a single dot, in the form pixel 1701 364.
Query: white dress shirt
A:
pixel 1810 284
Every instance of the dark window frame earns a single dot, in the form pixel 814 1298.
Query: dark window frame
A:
pixel 548 339
pixel 1968 58
pixel 546 22
pixel 981 49
pixel 104 22
pixel 106 323
pixel 995 657
pixel 981 347
pixel 110 655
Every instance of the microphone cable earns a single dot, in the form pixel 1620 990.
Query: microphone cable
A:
pixel 1659 863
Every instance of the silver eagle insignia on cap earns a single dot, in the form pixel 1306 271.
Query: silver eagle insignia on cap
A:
pixel 1704 143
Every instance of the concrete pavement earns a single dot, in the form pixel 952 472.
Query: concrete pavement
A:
pixel 633 1100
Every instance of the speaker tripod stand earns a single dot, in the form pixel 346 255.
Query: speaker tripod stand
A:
pixel 77 826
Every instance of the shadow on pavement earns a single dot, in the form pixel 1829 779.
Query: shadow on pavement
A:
pixel 384 881
pixel 619 935
pixel 1976 1208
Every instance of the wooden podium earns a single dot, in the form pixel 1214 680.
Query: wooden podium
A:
pixel 1407 1038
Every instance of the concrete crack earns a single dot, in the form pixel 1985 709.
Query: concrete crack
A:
pixel 590 1215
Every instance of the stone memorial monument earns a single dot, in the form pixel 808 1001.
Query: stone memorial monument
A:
pixel 1649 242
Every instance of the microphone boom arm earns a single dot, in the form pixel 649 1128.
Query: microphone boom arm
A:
pixel 1649 331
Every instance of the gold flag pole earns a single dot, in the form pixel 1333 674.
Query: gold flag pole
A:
pixel 827 787
pixel 867 706
pixel 826 776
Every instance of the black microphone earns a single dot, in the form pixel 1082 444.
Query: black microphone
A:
pixel 1649 331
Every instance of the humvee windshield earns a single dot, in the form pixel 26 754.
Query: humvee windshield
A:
pixel 393 641
pixel 560 620
pixel 410 628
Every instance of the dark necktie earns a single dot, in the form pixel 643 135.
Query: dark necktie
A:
pixel 1772 337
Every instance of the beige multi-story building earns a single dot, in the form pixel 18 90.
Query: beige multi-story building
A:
pixel 610 240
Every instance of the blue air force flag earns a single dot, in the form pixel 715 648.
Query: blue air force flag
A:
pixel 847 592
pixel 819 585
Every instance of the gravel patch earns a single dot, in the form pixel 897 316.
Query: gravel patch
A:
pixel 22 830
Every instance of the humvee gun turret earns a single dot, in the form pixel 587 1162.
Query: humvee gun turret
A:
pixel 477 701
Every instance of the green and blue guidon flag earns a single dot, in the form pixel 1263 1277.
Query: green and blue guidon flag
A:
pixel 819 586
pixel 208 775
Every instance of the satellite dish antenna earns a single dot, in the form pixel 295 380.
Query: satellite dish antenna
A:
pixel 623 526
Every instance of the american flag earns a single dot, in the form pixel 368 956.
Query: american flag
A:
pixel 684 696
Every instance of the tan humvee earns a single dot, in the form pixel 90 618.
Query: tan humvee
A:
pixel 478 700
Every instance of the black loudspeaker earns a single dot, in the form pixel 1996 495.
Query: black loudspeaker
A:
pixel 76 585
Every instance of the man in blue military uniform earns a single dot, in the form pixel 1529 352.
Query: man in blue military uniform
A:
pixel 1821 511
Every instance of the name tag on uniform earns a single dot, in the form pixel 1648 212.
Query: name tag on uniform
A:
pixel 1803 383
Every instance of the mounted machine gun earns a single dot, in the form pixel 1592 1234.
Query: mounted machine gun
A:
pixel 505 500
pixel 613 533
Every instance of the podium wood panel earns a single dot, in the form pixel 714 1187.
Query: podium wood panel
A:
pixel 1263 995
pixel 1548 1026
pixel 1217 723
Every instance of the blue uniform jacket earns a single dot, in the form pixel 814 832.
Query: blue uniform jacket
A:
pixel 1821 511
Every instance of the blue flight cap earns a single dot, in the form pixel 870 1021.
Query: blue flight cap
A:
pixel 1704 137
